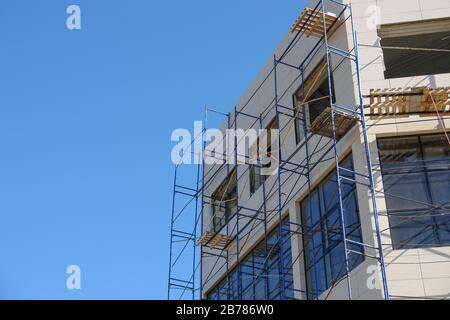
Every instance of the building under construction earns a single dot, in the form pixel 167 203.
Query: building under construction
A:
pixel 359 206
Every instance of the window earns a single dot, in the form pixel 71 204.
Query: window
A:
pixel 416 178
pixel 431 34
pixel 319 101
pixel 299 120
pixel 322 234
pixel 256 177
pixel 314 96
pixel 261 272
pixel 224 202
pixel 272 126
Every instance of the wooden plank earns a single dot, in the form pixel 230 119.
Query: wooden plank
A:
pixel 395 104
pixel 213 240
pixel 399 100
pixel 202 238
pixel 323 123
pixel 379 104
pixel 424 105
pixel 407 102
pixel 441 98
pixel 388 104
pixel 312 22
pixel 372 100
pixel 316 26
pixel 408 107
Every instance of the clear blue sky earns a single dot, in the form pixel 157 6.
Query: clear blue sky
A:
pixel 85 124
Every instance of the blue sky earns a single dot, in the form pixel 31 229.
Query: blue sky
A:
pixel 85 124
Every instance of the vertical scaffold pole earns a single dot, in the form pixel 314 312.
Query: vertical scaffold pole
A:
pixel 202 209
pixel 280 206
pixel 309 233
pixel 266 249
pixel 227 207
pixel 369 161
pixel 336 154
pixel 194 265
pixel 171 233
pixel 238 262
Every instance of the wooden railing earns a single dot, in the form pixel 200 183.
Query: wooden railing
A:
pixel 409 100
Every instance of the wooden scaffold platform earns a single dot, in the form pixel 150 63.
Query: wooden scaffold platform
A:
pixel 311 22
pixel 343 122
pixel 215 240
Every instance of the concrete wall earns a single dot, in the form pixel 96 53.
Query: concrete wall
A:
pixel 411 273
pixel 423 273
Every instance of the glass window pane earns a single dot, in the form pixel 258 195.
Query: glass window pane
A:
pixel 274 279
pixel 334 233
pixel 439 182
pixel 416 176
pixel 248 294
pixel 247 272
pixel 223 291
pixel 254 278
pixel 321 102
pixel 324 249
pixel 412 230
pixel 252 180
pixel 443 226
pixel 299 127
pixel 318 275
pixel 337 262
pixel 213 295
pixel 330 194
pixel 313 210
pixel 396 152
pixel 351 212
pixel 234 293
pixel 406 191
pixel 260 289
pixel 435 147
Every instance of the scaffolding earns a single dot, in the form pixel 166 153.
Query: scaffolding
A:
pixel 192 239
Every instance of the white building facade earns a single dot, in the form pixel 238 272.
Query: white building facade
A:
pixel 282 236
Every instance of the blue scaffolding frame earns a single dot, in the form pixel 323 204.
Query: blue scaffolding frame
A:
pixel 192 283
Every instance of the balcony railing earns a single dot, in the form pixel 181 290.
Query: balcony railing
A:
pixel 416 100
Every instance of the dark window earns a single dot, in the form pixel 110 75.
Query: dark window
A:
pixel 319 100
pixel 224 202
pixel 322 235
pixel 261 276
pixel 315 96
pixel 299 124
pixel 272 126
pixel 256 177
pixel 427 34
pixel 416 179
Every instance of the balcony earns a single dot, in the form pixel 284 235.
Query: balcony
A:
pixel 402 101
